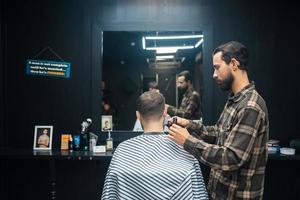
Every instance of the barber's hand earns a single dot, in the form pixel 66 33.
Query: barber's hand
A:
pixel 178 134
pixel 167 106
pixel 180 121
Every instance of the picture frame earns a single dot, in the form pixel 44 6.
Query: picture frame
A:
pixel 106 123
pixel 42 137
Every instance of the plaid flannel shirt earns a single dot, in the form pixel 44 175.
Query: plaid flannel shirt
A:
pixel 235 148
pixel 189 107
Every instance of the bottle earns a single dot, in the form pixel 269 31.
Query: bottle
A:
pixel 76 142
pixel 85 141
pixel 109 142
pixel 92 143
pixel 64 141
pixel 70 143
pixel 85 135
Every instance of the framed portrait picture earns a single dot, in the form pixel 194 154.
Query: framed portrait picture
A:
pixel 42 137
pixel 106 123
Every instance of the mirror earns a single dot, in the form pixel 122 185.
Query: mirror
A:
pixel 132 59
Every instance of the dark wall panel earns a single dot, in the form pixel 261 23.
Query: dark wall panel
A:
pixel 2 46
pixel 73 30
pixel 39 100
pixel 268 31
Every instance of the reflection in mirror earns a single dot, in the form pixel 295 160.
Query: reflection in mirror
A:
pixel 131 60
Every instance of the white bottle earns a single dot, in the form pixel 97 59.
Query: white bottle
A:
pixel 109 142
pixel 92 143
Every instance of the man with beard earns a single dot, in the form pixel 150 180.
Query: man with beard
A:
pixel 235 148
pixel 190 103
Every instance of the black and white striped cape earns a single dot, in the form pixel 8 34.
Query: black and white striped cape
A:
pixel 153 167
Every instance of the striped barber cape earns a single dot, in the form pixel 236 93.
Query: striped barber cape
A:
pixel 151 166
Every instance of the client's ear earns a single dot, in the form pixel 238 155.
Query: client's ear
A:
pixel 138 115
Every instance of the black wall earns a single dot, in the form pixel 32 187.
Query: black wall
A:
pixel 2 142
pixel 33 100
pixel 73 30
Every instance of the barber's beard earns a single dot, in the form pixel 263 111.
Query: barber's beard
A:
pixel 181 91
pixel 226 84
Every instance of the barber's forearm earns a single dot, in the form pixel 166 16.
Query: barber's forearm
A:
pixel 207 133
pixel 212 155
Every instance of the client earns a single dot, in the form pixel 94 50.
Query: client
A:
pixel 151 166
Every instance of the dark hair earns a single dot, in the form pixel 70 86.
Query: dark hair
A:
pixel 153 85
pixel 151 105
pixel 234 49
pixel 187 75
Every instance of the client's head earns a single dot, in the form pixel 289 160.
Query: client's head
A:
pixel 151 110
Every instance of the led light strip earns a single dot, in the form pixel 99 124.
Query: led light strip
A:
pixel 172 47
pixel 172 37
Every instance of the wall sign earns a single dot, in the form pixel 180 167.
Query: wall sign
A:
pixel 48 68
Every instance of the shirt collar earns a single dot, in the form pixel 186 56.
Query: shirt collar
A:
pixel 238 96
pixel 188 91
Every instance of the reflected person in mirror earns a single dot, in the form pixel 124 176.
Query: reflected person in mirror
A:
pixel 190 99
pixel 108 105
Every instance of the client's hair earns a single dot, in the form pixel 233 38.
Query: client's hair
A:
pixel 151 105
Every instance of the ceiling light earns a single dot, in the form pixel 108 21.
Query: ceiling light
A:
pixel 199 42
pixel 175 47
pixel 163 44
pixel 172 37
pixel 166 50
pixel 144 43
pixel 164 57
pixel 160 59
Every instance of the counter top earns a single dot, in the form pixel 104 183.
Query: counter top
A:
pixel 53 154
pixel 87 155
pixel 279 156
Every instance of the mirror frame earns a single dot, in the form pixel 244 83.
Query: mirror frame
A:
pixel 97 29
